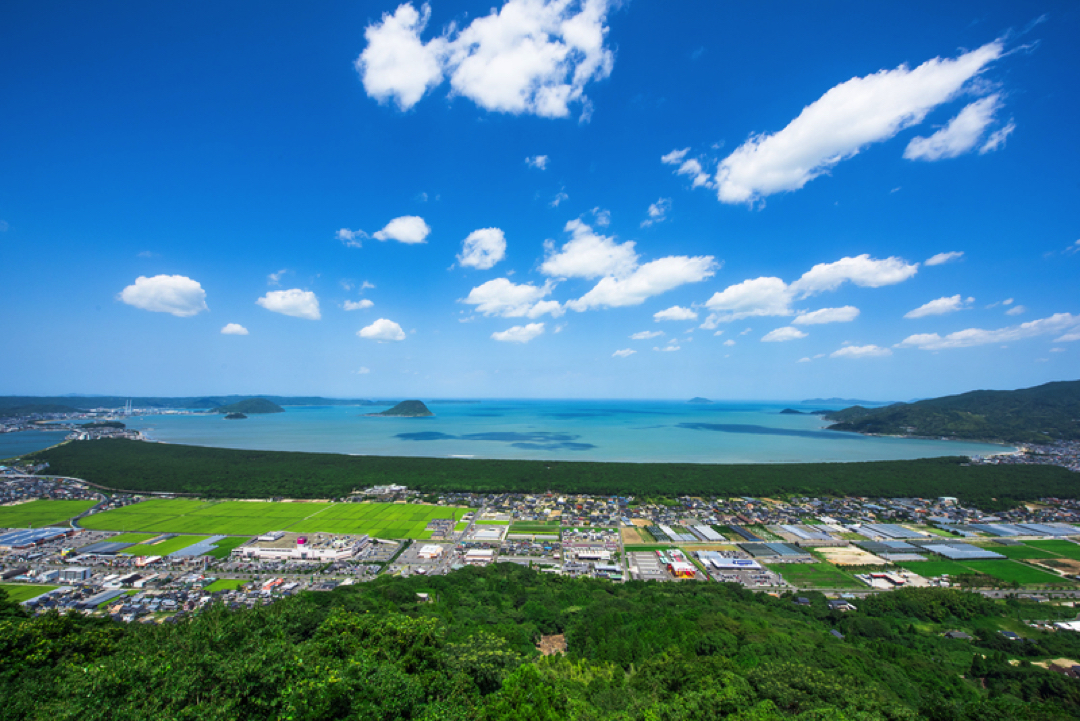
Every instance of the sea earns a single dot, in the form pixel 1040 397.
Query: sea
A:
pixel 569 430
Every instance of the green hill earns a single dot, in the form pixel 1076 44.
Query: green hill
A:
pixel 1041 414
pixel 406 409
pixel 251 405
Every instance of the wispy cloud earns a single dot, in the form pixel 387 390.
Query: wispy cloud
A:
pixel 940 306
pixel 1057 323
pixel 942 258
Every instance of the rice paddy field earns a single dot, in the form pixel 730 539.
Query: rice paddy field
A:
pixel 242 518
pixel 1005 570
pixel 1021 552
pixel 41 513
pixel 225 584
pixel 931 569
pixel 815 575
pixel 20 592
pixel 1066 549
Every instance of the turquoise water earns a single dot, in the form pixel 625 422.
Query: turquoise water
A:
pixel 16 444
pixel 637 431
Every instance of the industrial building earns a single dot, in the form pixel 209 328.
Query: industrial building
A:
pixel 304 547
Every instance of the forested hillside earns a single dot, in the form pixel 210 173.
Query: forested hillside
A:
pixel 227 473
pixel 692 651
pixel 1032 415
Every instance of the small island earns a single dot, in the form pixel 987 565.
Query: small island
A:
pixel 699 399
pixel 792 412
pixel 235 416
pixel 405 409
pixel 251 405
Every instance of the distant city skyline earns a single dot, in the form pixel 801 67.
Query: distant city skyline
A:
pixel 539 199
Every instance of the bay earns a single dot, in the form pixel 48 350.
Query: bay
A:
pixel 632 431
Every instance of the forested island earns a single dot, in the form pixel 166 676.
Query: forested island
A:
pixel 634 651
pixel 406 409
pixel 230 473
pixel 1050 412
pixel 251 405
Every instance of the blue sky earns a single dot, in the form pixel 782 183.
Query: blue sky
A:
pixel 539 199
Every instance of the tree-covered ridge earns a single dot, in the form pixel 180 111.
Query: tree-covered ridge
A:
pixel 251 405
pixel 642 650
pixel 1032 415
pixel 229 473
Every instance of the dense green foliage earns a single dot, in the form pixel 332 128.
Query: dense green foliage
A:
pixel 32 409
pixel 1031 415
pixel 692 651
pixel 406 409
pixel 227 473
pixel 71 404
pixel 251 405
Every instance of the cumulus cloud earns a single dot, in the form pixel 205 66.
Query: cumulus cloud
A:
pixel 647 334
pixel 941 258
pixel 675 313
pixel 351 238
pixel 657 212
pixel 175 294
pixel 234 329
pixel 382 330
pixel 860 351
pixel 1069 337
pixel 960 136
pixel 603 217
pixel 1057 323
pixel 842 122
pixel 558 199
pixel 503 298
pixel 537 161
pixel 862 270
pixel 754 297
pixel 588 255
pixel 941 306
pixel 358 304
pixel 624 353
pixel 783 334
pixel 1016 310
pixel 483 248
pixel 729 342
pixel 827 315
pixel 531 56
pixel 654 278
pixel 690 167
pixel 295 302
pixel 519 333
pixel 409 229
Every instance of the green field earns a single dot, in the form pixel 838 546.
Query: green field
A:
pixel 1020 552
pixel 1067 549
pixel 816 575
pixel 930 569
pixel 41 513
pixel 532 528
pixel 164 548
pixel 1012 571
pixel 20 592
pixel 132 537
pixel 241 518
pixel 225 584
pixel 492 523
pixel 225 545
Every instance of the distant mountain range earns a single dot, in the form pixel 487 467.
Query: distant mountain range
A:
pixel 1045 413
pixel 73 403
pixel 251 405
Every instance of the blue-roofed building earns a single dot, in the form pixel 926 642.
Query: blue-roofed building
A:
pixel 30 537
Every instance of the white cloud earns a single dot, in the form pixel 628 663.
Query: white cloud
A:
pixel 396 64
pixel 1069 337
pixel 754 297
pixel 234 329
pixel 827 315
pixel 860 351
pixel 175 294
pixel 537 161
pixel 783 334
pixel 406 229
pixel 382 330
pixel 689 167
pixel 675 157
pixel 997 138
pixel 803 360
pixel 4 228
pixel 531 56
pixel 1016 310
pixel 846 119
pixel 519 333
pixel 603 217
pixel 941 306
pixel 483 248
pixel 547 306
pixel 941 258
pixel 862 270
pixel 1008 301
pixel 667 348
pixel 358 304
pixel 960 135
pixel 295 302
pixel 654 278
pixel 647 334
pixel 588 255
pixel 729 342
pixel 624 353
pixel 275 278
pixel 1057 323
pixel 351 238
pixel 657 212
pixel 363 371
pixel 1074 248
pixel 744 332
pixel 504 298
pixel 675 313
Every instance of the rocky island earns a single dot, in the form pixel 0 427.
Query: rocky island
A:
pixel 405 409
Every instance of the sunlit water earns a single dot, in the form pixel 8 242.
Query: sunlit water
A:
pixel 638 431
